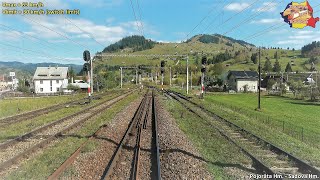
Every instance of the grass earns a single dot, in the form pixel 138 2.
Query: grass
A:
pixel 13 106
pixel 44 164
pixel 214 148
pixel 297 112
pixel 308 152
pixel 17 129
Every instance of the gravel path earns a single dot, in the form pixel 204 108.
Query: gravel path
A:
pixel 92 165
pixel 179 158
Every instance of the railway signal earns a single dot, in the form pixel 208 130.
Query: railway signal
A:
pixel 162 64
pixel 203 70
pixel 87 67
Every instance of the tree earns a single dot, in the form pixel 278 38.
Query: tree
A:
pixel 267 66
pixel 71 75
pixel 276 66
pixel 288 67
pixel 254 58
pixel 73 87
pixel 217 69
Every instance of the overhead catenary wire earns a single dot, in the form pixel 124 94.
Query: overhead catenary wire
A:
pixel 253 16
pixel 31 37
pixel 136 19
pixel 62 35
pixel 36 52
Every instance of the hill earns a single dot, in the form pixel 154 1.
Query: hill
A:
pixel 130 44
pixel 28 69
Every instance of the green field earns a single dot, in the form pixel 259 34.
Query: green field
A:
pixel 297 112
pixel 13 106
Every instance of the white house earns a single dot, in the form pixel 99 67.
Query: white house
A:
pixel 241 81
pixel 48 80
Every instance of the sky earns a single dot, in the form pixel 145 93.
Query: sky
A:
pixel 63 38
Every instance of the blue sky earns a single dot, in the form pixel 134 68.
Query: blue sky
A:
pixel 163 20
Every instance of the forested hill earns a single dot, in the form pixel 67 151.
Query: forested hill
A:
pixel 311 50
pixel 130 44
pixel 216 38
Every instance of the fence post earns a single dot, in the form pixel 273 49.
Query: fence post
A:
pixel 302 134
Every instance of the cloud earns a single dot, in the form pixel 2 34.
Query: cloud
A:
pixel 10 35
pixel 236 6
pixel 295 42
pixel 267 7
pixel 267 21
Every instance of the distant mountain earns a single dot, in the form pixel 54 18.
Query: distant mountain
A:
pixel 28 69
pixel 218 38
pixel 130 44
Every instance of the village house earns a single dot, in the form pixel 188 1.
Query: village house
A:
pixel 242 81
pixel 273 82
pixel 3 83
pixel 50 80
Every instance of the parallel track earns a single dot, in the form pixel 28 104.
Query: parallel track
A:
pixel 267 161
pixel 33 140
pixel 35 113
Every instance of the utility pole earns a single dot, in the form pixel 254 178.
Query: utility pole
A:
pixel 191 80
pixel 170 76
pixel 91 75
pixel 121 77
pixel 136 76
pixel 187 74
pixel 259 86
pixel 203 70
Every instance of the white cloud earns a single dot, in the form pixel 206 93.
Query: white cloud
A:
pixel 267 21
pixel 267 7
pixel 236 6
pixel 296 42
pixel 10 35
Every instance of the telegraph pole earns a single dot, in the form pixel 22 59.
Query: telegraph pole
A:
pixel 203 70
pixel 187 74
pixel 136 76
pixel 259 86
pixel 121 77
pixel 170 76
pixel 91 75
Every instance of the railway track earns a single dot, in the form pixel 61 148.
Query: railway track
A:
pixel 138 154
pixel 16 149
pixel 267 158
pixel 32 114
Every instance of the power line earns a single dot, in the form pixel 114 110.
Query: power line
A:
pixel 202 20
pixel 66 37
pixel 36 52
pixel 135 17
pixel 253 16
pixel 32 37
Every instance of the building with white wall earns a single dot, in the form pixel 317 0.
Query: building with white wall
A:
pixel 243 81
pixel 49 80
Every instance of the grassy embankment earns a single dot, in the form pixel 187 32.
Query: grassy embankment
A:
pixel 224 160
pixel 292 115
pixel 17 129
pixel 45 163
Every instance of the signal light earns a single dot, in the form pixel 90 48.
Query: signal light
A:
pixel 86 55
pixel 203 69
pixel 162 63
pixel 86 67
pixel 204 60
pixel 162 70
